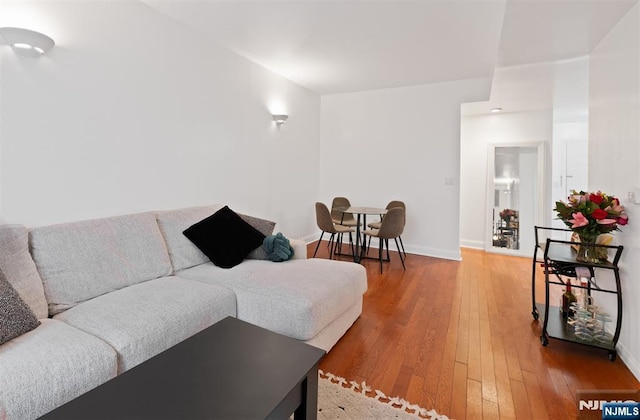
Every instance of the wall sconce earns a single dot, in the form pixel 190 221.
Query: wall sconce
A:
pixel 280 119
pixel 26 42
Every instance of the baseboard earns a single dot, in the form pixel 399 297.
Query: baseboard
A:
pixel 468 243
pixel 411 249
pixel 311 238
pixel 629 359
pixel 434 252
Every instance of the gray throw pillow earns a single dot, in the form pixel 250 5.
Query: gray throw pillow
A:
pixel 16 318
pixel 263 226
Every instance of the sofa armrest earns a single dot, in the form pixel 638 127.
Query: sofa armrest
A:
pixel 299 249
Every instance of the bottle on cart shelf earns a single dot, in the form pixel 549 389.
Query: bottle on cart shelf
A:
pixel 584 276
pixel 567 299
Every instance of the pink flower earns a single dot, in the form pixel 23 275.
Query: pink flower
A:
pixel 607 222
pixel 578 220
pixel 622 219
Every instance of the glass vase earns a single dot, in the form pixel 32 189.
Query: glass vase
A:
pixel 586 251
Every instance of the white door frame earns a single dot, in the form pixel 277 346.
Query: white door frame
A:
pixel 541 211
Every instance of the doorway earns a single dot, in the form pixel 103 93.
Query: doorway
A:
pixel 515 197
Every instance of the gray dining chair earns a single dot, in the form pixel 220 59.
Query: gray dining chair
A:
pixel 376 225
pixel 341 218
pixel 391 227
pixel 326 225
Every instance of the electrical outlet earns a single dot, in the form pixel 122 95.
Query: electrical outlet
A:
pixel 634 196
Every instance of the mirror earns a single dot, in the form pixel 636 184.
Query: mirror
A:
pixel 515 195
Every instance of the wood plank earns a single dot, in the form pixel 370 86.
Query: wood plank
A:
pixel 474 399
pixel 490 410
pixel 520 400
pixel 458 406
pixel 489 390
pixel 474 357
pixel 536 401
pixel 503 382
pixel 447 372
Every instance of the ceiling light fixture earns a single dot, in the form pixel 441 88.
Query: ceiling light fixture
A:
pixel 280 119
pixel 26 42
pixel 494 110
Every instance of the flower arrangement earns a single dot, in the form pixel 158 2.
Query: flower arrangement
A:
pixel 589 215
pixel 507 214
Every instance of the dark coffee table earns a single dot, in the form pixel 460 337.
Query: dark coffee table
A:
pixel 231 370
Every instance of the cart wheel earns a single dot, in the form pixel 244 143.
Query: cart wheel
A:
pixel 612 356
pixel 544 340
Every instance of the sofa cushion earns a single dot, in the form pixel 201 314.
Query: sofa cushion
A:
pixel 50 366
pixel 297 298
pixel 18 266
pixel 224 237
pixel 183 252
pixel 263 226
pixel 142 320
pixel 81 260
pixel 16 318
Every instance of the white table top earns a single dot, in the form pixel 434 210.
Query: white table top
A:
pixel 364 210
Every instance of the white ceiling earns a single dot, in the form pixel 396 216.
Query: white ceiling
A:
pixel 333 46
pixel 561 86
pixel 539 30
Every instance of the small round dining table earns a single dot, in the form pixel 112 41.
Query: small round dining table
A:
pixel 361 214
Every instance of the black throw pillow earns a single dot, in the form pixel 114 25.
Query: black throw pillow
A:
pixel 224 237
pixel 16 318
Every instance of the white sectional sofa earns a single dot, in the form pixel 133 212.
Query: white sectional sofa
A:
pixel 111 293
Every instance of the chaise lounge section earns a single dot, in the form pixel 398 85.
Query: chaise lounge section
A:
pixel 311 300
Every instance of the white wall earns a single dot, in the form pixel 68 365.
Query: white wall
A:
pixel 400 144
pixel 570 125
pixel 477 133
pixel 614 158
pixel 564 134
pixel 131 111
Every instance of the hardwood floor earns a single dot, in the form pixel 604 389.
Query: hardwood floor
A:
pixel 459 337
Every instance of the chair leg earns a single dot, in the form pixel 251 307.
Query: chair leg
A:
pixel 332 245
pixel 386 241
pixel 401 259
pixel 353 249
pixel 318 246
pixel 403 251
pixel 380 246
